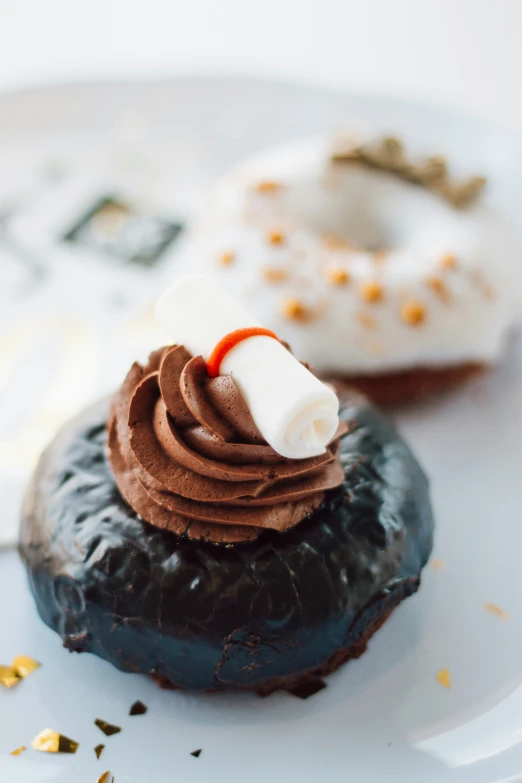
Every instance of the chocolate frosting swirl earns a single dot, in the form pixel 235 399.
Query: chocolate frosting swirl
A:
pixel 187 456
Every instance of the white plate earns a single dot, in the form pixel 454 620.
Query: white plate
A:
pixel 384 717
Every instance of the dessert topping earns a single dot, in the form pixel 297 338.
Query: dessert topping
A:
pixel 439 288
pixel 413 313
pixel 25 665
pixel 49 741
pixel 444 678
pixel 230 341
pixel 9 677
pixel 366 320
pixel 268 187
pixel 295 310
pixel 295 412
pixel 371 291
pixel 388 154
pixel 21 667
pixel 138 708
pixel 337 276
pixel 108 728
pixel 227 258
pixel 276 237
pixel 496 610
pixel 333 242
pixel 222 458
pixel 274 274
pixel 448 261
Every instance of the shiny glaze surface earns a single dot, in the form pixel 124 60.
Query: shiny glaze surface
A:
pixel 208 616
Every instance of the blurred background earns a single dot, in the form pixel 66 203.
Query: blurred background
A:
pixel 116 115
pixel 466 53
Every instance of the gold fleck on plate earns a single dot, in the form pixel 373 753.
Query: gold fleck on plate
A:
pixel 105 778
pixel 496 610
pixel 444 679
pixel 18 751
pixel 9 677
pixel 99 750
pixel 108 728
pixel 25 665
pixel 138 708
pixel 49 741
pixel 437 564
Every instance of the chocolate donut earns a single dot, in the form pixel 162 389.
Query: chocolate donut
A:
pixel 278 611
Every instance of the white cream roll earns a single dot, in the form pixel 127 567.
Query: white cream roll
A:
pixel 295 413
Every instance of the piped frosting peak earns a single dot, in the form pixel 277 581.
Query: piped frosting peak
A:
pixel 187 455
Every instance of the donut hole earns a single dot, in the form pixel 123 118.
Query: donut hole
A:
pixel 370 210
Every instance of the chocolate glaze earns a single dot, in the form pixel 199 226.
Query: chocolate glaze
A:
pixel 187 456
pixel 257 615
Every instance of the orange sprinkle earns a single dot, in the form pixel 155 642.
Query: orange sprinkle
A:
pixel 448 261
pixel 227 258
pixel 497 611
pixel 332 242
pixel 413 313
pixel 371 291
pixel 274 274
pixel 486 289
pixel 268 187
pixel 439 288
pixel 444 678
pixel 366 320
pixel 276 237
pixel 295 310
pixel 380 255
pixel 376 348
pixel 337 276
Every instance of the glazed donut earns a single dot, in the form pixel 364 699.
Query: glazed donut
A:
pixel 378 272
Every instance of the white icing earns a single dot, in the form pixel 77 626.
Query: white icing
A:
pixel 296 413
pixel 468 321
